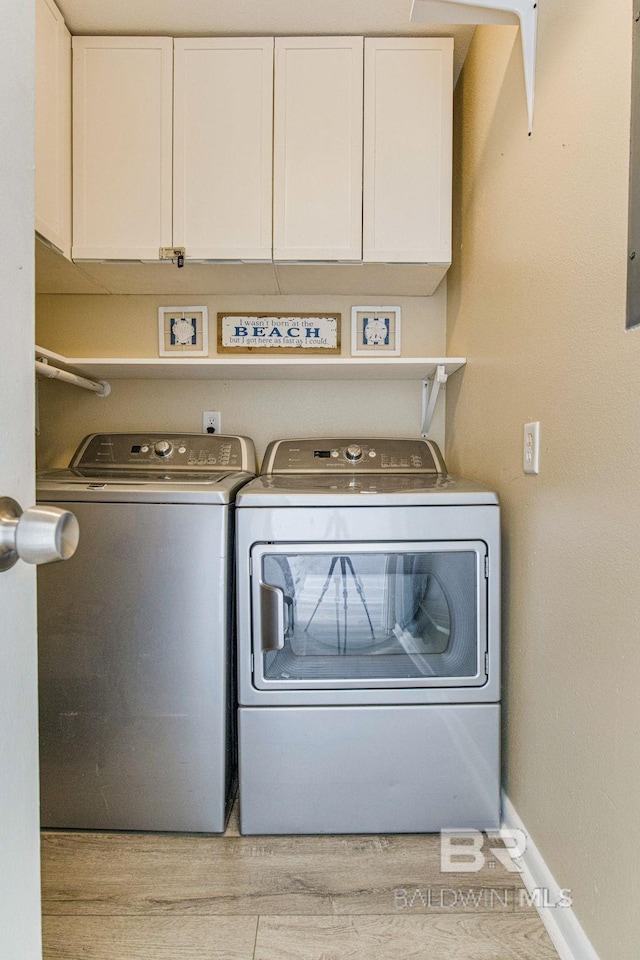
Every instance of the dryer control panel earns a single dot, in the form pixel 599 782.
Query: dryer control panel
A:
pixel 181 450
pixel 339 455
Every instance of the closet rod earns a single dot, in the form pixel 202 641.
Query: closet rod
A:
pixel 100 387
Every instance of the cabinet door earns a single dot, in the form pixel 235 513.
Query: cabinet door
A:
pixel 122 135
pixel 408 91
pixel 53 127
pixel 317 201
pixel 223 143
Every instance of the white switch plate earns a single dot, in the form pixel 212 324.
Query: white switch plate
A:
pixel 531 449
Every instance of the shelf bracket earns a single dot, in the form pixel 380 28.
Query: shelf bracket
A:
pixel 430 390
pixel 491 11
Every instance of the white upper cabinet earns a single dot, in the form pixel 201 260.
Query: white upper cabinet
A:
pixel 407 150
pixel 53 127
pixel 306 150
pixel 223 143
pixel 317 184
pixel 122 123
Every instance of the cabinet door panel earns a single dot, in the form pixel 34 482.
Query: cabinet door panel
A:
pixel 122 123
pixel 223 141
pixel 407 150
pixel 53 127
pixel 318 148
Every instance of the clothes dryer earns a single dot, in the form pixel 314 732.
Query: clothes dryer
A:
pixel 369 641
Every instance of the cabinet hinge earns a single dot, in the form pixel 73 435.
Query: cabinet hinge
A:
pixel 486 567
pixel 486 664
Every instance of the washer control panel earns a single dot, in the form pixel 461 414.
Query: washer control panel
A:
pixel 357 455
pixel 183 451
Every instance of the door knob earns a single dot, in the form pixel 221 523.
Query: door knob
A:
pixel 39 535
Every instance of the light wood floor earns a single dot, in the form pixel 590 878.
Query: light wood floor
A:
pixel 172 897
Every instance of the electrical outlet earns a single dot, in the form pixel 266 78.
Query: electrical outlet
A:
pixel 211 421
pixel 531 449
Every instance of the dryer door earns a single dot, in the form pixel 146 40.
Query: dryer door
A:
pixel 369 615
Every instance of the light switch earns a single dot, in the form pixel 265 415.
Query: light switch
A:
pixel 531 449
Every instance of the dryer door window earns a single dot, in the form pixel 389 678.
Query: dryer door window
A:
pixel 369 615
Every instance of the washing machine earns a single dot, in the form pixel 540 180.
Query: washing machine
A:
pixel 136 640
pixel 368 641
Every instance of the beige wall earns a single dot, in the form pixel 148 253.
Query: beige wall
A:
pixel 128 326
pixel 537 303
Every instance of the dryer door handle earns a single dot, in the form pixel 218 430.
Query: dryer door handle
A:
pixel 271 617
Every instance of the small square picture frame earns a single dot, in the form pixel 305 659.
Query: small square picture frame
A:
pixel 183 331
pixel 375 331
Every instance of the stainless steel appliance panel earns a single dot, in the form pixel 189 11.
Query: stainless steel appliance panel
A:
pixel 65 486
pixel 184 451
pixel 134 671
pixel 347 490
pixel 352 455
pixel 392 769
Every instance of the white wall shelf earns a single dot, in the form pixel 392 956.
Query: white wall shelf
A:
pixel 255 368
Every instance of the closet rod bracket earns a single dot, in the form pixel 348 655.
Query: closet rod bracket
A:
pixel 101 388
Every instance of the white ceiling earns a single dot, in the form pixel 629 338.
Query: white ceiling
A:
pixel 192 18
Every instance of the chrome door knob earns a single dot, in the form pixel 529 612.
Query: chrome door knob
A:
pixel 162 448
pixel 354 452
pixel 39 535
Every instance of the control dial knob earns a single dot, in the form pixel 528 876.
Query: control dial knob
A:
pixel 162 448
pixel 354 452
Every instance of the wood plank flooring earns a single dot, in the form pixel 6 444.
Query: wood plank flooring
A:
pixel 175 897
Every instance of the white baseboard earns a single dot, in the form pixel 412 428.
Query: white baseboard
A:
pixel 561 923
